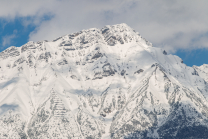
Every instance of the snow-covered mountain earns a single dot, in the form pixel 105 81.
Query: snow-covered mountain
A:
pixel 100 83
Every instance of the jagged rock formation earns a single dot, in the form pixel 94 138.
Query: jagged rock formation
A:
pixel 100 83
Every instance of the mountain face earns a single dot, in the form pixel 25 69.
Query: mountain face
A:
pixel 100 83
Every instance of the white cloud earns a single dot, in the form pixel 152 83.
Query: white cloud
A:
pixel 6 40
pixel 169 24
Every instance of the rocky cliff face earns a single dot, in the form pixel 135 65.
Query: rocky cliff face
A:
pixel 100 83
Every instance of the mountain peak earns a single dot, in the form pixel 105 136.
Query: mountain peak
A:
pixel 119 27
pixel 111 35
pixel 100 83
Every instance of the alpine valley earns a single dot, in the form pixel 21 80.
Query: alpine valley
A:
pixel 101 83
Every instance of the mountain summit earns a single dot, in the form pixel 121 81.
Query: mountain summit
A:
pixel 100 83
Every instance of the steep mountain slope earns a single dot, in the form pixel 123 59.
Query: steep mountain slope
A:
pixel 202 71
pixel 108 83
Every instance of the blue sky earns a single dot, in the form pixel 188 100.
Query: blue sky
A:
pixel 196 57
pixel 13 33
pixel 179 27
pixel 16 32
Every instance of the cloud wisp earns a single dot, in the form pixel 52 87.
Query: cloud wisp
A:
pixel 172 25
pixel 7 40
